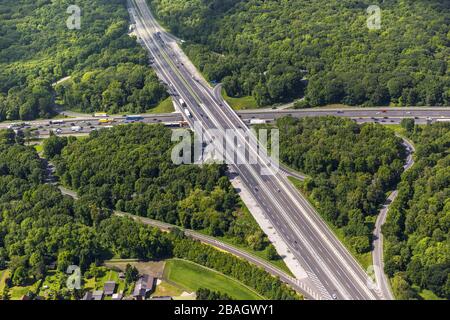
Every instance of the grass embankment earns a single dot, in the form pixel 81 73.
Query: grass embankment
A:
pixel 365 259
pixel 165 106
pixel 192 276
pixel 243 103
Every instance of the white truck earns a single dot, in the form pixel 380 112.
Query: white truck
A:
pixel 182 103
pixel 187 113
pixel 76 128
pixel 258 121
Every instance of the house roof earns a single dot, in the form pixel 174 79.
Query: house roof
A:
pixel 98 295
pixel 117 296
pixel 143 285
pixel 109 287
pixel 87 296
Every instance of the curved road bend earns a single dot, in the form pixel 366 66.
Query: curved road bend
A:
pixel 377 253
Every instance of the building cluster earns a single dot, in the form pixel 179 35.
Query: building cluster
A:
pixel 143 287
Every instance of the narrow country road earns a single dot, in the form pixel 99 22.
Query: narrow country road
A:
pixel 377 253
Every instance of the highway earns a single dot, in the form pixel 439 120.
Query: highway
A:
pixel 391 116
pixel 331 270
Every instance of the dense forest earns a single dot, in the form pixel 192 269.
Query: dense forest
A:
pixel 281 50
pixel 39 226
pixel 129 168
pixel 351 167
pixel 417 246
pixel 37 49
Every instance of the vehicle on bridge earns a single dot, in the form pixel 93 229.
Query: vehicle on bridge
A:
pixel 134 118
pixel 258 121
pixel 100 115
pixel 56 122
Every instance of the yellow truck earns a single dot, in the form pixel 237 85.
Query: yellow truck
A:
pixel 105 121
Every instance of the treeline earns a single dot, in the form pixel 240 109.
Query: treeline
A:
pixel 39 226
pixel 37 49
pixel 206 294
pixel 129 168
pixel 127 87
pixel 254 277
pixel 274 49
pixel 351 167
pixel 417 244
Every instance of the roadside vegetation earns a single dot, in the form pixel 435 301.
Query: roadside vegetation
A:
pixel 108 68
pixel 40 227
pixel 351 167
pixel 276 51
pixel 129 168
pixel 417 250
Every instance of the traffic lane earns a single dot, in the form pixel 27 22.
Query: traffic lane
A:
pixel 194 111
pixel 293 209
pixel 322 251
pixel 336 245
pixel 285 231
pixel 188 78
pixel 284 200
pixel 288 202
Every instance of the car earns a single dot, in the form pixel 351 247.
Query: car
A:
pixel 334 296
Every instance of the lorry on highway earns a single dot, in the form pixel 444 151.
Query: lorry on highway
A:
pixel 187 113
pixel 100 115
pixel 182 103
pixel 105 121
pixel 134 118
pixel 76 128
pixel 56 122
pixel 258 121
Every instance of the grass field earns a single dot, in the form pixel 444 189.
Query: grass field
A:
pixel 164 107
pixel 243 103
pixel 166 289
pixel 192 276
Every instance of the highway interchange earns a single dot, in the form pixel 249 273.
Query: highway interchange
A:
pixel 332 272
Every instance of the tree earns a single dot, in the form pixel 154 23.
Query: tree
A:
pixel 401 288
pixel 131 274
pixel 272 253
pixel 408 124
pixel 54 145
pixel 20 276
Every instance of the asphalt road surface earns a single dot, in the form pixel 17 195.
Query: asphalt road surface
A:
pixel 332 272
pixel 377 253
